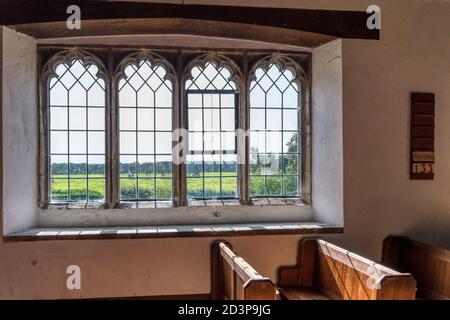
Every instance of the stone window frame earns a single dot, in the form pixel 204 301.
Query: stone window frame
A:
pixel 178 62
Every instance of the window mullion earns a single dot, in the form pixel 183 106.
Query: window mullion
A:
pixel 243 140
pixel 112 132
pixel 44 145
pixel 179 125
pixel 305 138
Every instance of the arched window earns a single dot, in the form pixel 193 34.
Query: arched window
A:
pixel 145 99
pixel 239 128
pixel 76 129
pixel 275 118
pixel 212 104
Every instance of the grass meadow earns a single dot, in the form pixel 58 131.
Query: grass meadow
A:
pixel 160 186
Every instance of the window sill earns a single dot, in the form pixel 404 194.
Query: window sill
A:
pixel 256 202
pixel 225 230
pixel 192 215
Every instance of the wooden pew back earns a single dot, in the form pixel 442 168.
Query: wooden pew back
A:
pixel 341 274
pixel 232 278
pixel 430 265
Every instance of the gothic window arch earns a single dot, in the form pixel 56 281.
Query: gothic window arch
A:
pixel 75 115
pixel 109 121
pixel 212 93
pixel 145 100
pixel 278 129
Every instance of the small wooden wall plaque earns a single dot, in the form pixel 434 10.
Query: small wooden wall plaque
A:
pixel 422 136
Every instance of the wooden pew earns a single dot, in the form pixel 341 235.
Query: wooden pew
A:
pixel 232 278
pixel 325 271
pixel 430 265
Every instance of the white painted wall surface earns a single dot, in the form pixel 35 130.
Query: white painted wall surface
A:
pixel 379 199
pixel 20 129
pixel 327 145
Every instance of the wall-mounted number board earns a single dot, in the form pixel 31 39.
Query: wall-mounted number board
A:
pixel 422 136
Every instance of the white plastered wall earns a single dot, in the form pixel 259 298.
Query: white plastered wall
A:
pixel 20 131
pixel 37 269
pixel 20 135
pixel 327 143
pixel 379 199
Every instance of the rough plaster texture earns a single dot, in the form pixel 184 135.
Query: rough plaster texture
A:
pixel 327 146
pixel 19 115
pixel 171 216
pixel 379 199
pixel 185 41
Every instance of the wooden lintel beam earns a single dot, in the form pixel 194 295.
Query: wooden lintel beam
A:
pixel 343 24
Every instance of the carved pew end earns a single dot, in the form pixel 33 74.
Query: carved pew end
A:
pixel 326 271
pixel 430 265
pixel 232 278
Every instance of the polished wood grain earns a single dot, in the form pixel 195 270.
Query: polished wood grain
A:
pixel 296 293
pixel 217 29
pixel 338 23
pixel 422 133
pixel 1 127
pixel 337 273
pixel 430 265
pixel 233 278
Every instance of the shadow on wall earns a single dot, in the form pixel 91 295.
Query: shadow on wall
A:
pixel 434 232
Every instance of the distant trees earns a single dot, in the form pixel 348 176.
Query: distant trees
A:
pixel 267 171
pixel 272 175
pixel 290 161
pixel 195 169
pixel 147 168
pixel 60 168
pixel 77 168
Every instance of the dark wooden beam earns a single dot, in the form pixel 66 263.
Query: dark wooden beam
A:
pixel 179 27
pixel 1 135
pixel 343 24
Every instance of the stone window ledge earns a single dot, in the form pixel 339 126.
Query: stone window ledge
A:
pixel 218 230
pixel 256 202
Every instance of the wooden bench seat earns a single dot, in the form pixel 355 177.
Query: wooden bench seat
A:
pixel 297 293
pixel 326 271
pixel 430 265
pixel 232 278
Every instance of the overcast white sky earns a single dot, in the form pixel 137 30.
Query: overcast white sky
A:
pixel 89 91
